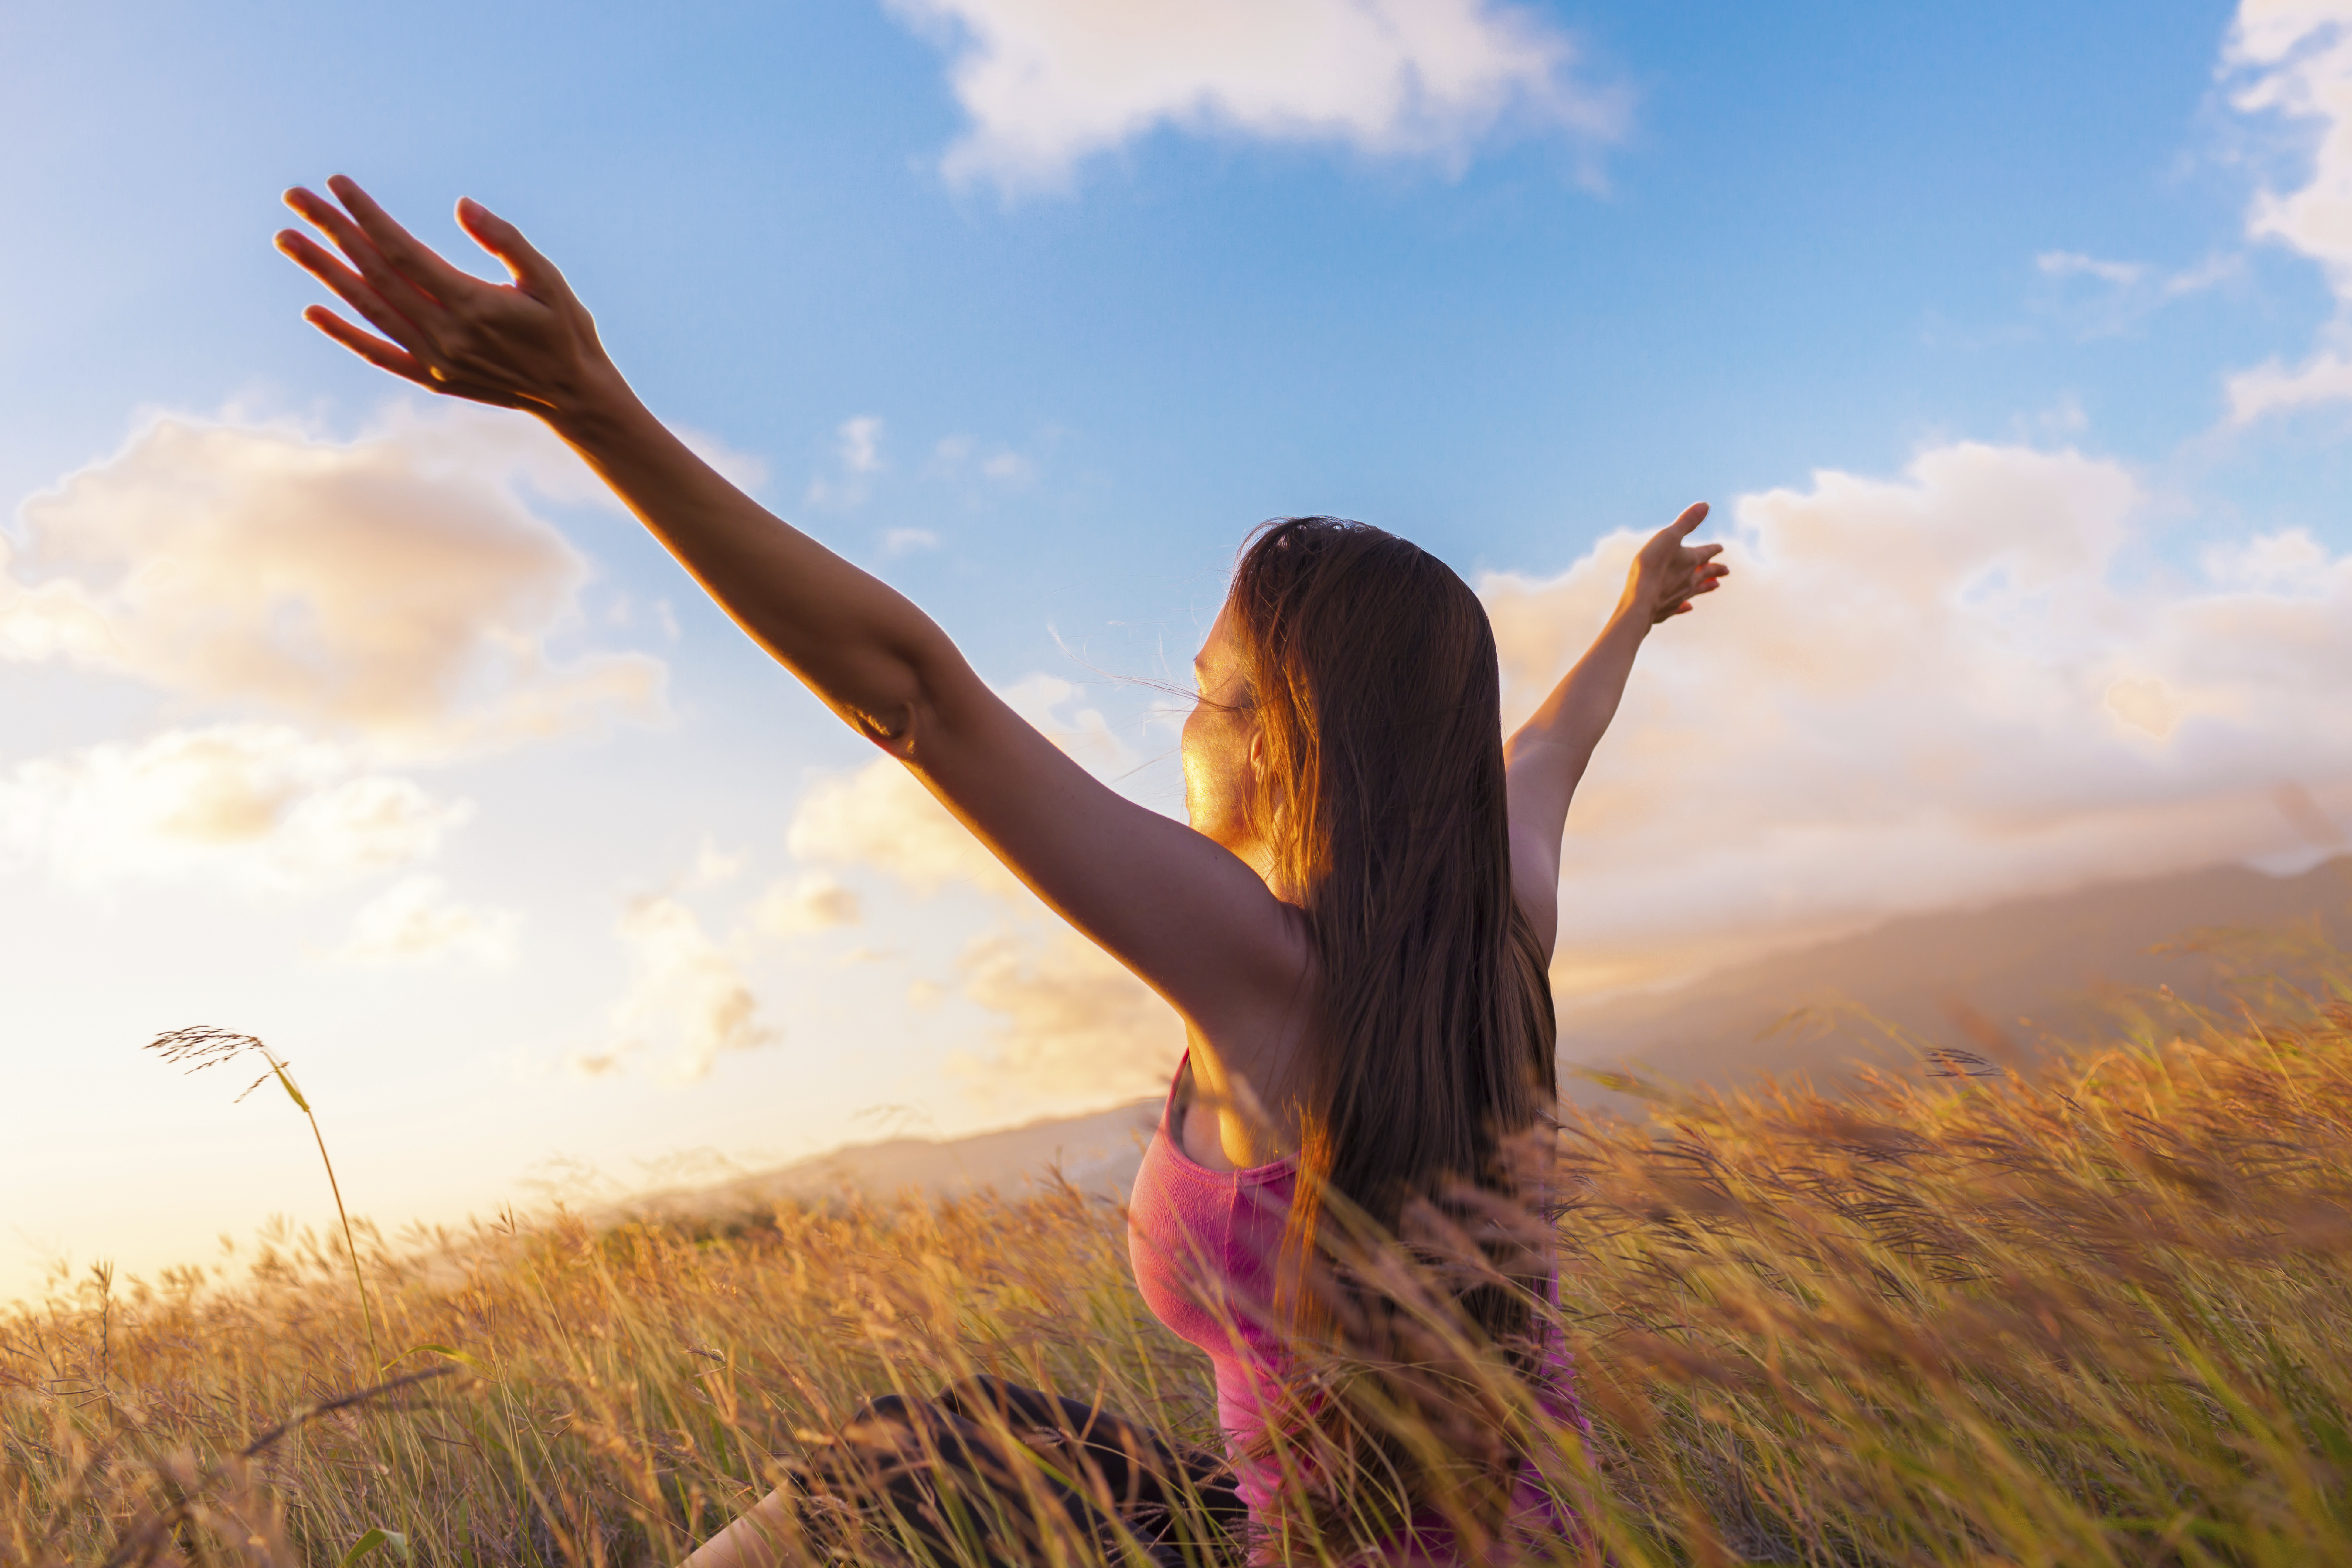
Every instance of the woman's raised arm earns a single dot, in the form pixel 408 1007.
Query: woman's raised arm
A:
pixel 867 652
pixel 1190 919
pixel 1545 757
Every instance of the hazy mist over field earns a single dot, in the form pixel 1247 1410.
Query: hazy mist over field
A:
pixel 2013 345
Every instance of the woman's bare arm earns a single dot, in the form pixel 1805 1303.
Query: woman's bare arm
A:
pixel 1189 917
pixel 1545 759
pixel 763 1536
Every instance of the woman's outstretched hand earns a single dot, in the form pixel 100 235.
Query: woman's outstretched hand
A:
pixel 528 344
pixel 1668 575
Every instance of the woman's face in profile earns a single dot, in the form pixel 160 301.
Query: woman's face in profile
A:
pixel 1219 772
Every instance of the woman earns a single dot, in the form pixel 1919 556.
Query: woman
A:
pixel 1354 928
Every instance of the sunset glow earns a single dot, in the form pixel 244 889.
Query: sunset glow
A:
pixel 372 726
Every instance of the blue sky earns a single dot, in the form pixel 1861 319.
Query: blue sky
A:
pixel 1951 314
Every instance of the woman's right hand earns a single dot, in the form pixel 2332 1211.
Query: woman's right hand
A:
pixel 528 344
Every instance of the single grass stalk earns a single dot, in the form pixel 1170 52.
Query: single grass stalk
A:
pixel 202 1046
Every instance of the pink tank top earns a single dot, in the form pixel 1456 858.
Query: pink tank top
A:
pixel 1203 1246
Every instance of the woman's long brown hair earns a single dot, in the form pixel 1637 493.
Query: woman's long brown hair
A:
pixel 1373 673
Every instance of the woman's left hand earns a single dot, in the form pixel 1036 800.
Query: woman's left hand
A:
pixel 1669 574
pixel 528 344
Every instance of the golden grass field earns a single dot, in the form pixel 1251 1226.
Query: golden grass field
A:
pixel 2102 1315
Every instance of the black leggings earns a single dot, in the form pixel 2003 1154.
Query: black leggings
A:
pixel 986 1473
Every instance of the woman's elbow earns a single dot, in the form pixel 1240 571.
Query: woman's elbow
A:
pixel 893 726
pixel 908 701
pixel 896 704
pixel 913 723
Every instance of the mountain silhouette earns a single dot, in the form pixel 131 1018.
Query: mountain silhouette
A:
pixel 2009 983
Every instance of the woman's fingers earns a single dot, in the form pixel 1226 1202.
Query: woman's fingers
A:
pixel 353 288
pixel 391 289
pixel 368 346
pixel 1667 548
pixel 315 260
pixel 416 261
pixel 534 273
pixel 330 269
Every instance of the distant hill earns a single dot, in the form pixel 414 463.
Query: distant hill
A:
pixel 1098 1152
pixel 2013 979
pixel 2019 976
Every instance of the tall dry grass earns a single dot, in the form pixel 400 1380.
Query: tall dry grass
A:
pixel 2103 1316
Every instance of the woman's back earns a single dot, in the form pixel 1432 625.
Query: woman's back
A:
pixel 1204 1245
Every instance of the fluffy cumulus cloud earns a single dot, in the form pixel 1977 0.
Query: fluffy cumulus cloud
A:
pixel 880 816
pixel 353 607
pixel 1070 1023
pixel 414 920
pixel 2293 58
pixel 1954 686
pixel 263 807
pixel 392 587
pixel 687 999
pixel 1047 82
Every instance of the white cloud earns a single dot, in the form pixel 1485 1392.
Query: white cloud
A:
pixel 1072 1023
pixel 801 905
pixel 1934 691
pixel 907 541
pixel 1049 82
pixel 2294 58
pixel 2274 388
pixel 880 816
pixel 261 805
pixel 861 444
pixel 2297 59
pixel 391 585
pixel 858 449
pixel 1085 734
pixel 2101 297
pixel 2291 564
pixel 2073 264
pixel 686 994
pixel 1009 468
pixel 415 920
